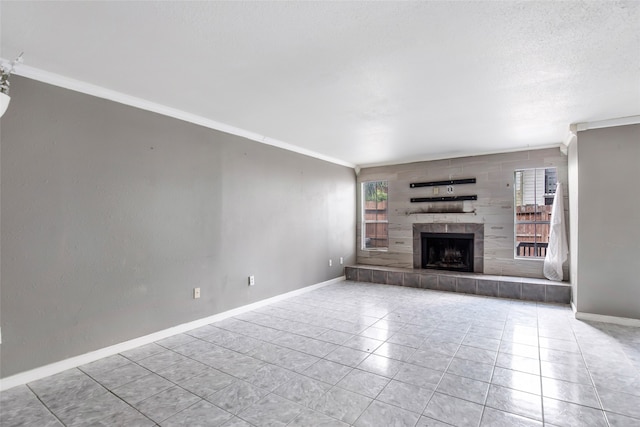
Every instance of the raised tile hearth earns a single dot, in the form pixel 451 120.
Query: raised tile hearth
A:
pixel 469 283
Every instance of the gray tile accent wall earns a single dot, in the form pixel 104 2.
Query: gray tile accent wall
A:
pixel 493 209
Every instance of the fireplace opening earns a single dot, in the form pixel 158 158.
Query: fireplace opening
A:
pixel 447 251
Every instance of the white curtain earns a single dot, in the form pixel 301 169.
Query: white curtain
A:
pixel 558 249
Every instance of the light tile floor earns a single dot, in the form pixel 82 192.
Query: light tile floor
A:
pixel 363 355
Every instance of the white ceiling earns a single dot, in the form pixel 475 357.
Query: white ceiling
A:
pixel 366 83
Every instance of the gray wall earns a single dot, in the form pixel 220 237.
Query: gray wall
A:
pixel 608 232
pixel 494 208
pixel 112 215
pixel 574 242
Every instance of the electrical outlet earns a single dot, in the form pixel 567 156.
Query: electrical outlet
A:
pixel 252 280
pixel 330 263
pixel 341 260
pixel 196 293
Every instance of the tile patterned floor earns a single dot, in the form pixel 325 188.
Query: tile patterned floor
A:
pixel 362 355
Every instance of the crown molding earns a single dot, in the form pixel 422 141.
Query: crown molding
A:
pixel 143 104
pixel 620 121
pixel 447 156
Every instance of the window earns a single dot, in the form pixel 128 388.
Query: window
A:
pixel 534 192
pixel 375 219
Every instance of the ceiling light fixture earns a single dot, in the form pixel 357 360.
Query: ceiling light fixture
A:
pixel 5 72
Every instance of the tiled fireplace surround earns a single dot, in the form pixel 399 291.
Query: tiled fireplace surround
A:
pixel 478 240
pixel 469 283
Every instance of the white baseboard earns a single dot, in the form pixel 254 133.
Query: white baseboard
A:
pixel 74 362
pixel 625 321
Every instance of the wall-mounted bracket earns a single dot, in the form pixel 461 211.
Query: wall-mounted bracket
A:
pixel 439 183
pixel 443 199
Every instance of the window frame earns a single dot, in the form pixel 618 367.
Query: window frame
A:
pixel 364 221
pixel 516 222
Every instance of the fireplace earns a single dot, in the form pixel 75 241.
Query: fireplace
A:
pixel 461 247
pixel 447 251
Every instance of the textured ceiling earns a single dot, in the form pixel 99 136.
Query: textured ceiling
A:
pixel 366 83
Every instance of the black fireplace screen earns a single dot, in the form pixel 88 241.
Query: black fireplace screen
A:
pixel 447 251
